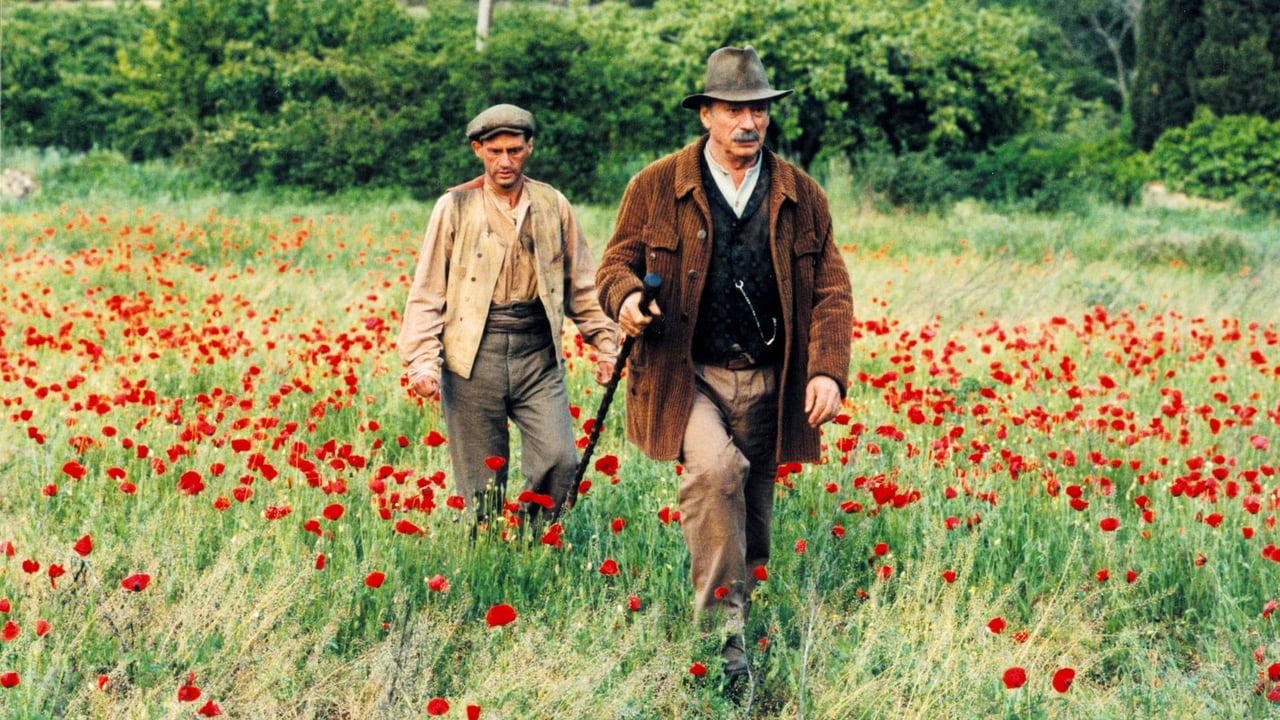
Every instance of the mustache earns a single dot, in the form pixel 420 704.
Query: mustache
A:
pixel 747 136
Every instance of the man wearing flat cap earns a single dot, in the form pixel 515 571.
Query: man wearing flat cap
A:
pixel 744 353
pixel 503 263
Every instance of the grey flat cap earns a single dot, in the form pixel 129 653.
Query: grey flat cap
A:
pixel 734 76
pixel 500 119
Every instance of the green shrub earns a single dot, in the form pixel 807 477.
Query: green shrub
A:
pixel 914 179
pixel 1086 161
pixel 1236 156
pixel 58 74
pixel 1219 252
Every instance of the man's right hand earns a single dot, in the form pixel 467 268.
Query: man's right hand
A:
pixel 632 319
pixel 427 387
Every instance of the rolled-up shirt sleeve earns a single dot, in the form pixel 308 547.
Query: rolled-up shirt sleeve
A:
pixel 420 342
pixel 583 305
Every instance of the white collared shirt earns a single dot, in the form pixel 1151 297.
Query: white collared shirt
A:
pixel 737 197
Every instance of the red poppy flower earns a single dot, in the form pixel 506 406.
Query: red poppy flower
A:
pixel 500 615
pixel 221 503
pixel 136 582
pixel 456 502
pixel 607 465
pixel 375 579
pixel 552 536
pixel 697 669
pixel 529 496
pixel 1014 677
pixel 495 463
pixel 242 493
pixel 9 679
pixel 633 602
pixel 801 546
pixel 128 488
pixel 949 575
pixel 102 681
pixel 437 706
pixel 405 527
pixel 1131 576
pixel 1108 524
pixel 1267 609
pixel 187 691
pixel 617 525
pixel 320 561
pixel 31 567
pixel 760 573
pixel 5 607
pixel 55 571
pixel 609 567
pixel 83 546
pixel 1063 678
pixel 1102 575
pixel 50 490
pixel 312 526
pixel 473 712
pixel 996 625
pixel 42 627
pixel 190 483
pixel 1273 672
pixel 10 631
pixel 74 470
pixel 837 531
pixel 720 592
pixel 880 548
pixel 333 512
pixel 438 583
pixel 209 709
pixel 7 548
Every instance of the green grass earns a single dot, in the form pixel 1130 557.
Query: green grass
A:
pixel 1002 362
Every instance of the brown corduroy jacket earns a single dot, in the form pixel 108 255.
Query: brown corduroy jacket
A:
pixel 664 227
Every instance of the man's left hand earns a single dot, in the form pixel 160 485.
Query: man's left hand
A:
pixel 604 371
pixel 821 400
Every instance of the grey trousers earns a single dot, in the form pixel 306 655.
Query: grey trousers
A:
pixel 516 377
pixel 726 491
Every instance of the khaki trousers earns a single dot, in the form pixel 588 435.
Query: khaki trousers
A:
pixel 515 376
pixel 726 491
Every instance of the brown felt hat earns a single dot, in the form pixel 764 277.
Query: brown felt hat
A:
pixel 734 75
pixel 500 119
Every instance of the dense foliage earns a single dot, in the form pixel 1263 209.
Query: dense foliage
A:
pixel 928 101
pixel 1221 54
pixel 1212 153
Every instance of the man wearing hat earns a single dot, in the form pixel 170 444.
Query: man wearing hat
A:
pixel 504 262
pixel 744 353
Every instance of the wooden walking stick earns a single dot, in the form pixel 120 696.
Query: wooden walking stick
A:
pixel 652 282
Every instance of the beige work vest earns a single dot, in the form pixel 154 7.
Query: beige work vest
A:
pixel 476 262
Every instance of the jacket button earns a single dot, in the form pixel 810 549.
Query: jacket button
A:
pixel 693 274
pixel 702 234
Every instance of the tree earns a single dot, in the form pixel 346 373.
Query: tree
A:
pixel 1089 43
pixel 1220 54
pixel 1237 64
pixel 1169 31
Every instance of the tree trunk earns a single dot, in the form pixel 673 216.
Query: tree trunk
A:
pixel 483 21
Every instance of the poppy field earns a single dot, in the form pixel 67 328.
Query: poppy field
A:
pixel 1052 492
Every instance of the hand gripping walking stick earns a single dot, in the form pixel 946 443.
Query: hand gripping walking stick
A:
pixel 652 282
